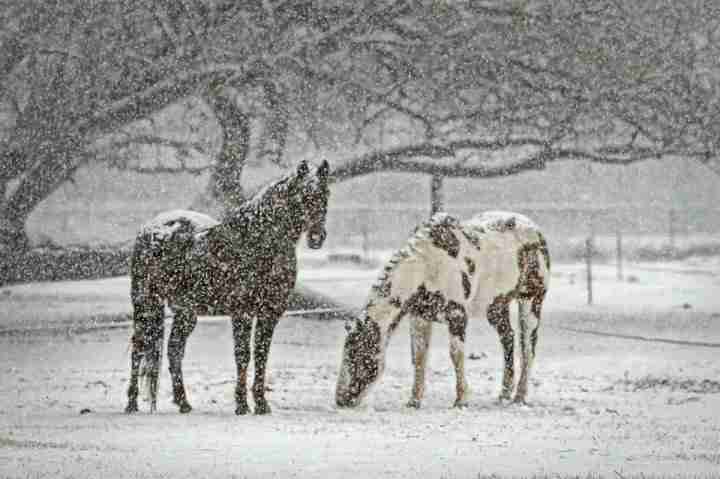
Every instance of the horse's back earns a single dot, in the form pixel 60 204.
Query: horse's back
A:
pixel 502 221
pixel 165 224
pixel 167 250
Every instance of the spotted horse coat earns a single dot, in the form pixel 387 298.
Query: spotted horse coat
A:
pixel 451 272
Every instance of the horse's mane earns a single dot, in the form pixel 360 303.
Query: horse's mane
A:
pixel 421 234
pixel 259 203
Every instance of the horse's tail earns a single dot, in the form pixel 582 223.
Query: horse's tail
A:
pixel 148 317
pixel 544 251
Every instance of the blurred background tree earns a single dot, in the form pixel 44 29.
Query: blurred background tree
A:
pixel 447 88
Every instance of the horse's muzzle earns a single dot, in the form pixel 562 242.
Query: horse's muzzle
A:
pixel 345 401
pixel 315 239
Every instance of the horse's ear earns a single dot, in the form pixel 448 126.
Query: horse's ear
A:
pixel 302 169
pixel 324 170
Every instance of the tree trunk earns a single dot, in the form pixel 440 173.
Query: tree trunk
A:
pixel 436 196
pixel 14 244
pixel 54 164
pixel 225 182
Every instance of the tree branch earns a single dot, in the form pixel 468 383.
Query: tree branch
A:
pixel 407 159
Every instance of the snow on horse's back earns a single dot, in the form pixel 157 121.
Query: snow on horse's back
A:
pixel 166 223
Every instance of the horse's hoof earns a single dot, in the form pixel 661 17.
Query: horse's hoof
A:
pixel 413 403
pixel 504 399
pixel 242 410
pixel 460 404
pixel 520 400
pixel 185 408
pixel 131 408
pixel 262 407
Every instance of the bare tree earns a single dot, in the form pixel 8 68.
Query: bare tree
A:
pixel 532 82
pixel 475 88
pixel 75 71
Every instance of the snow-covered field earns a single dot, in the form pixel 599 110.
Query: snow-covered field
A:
pixel 598 404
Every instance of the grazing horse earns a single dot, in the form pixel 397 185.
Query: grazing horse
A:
pixel 449 272
pixel 244 267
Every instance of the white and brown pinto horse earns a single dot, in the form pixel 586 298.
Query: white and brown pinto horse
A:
pixel 451 272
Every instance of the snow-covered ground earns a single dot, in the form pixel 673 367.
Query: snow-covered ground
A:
pixel 598 403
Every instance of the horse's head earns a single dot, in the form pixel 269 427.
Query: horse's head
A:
pixel 362 363
pixel 316 193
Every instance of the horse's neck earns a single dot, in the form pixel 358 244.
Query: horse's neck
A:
pixel 386 314
pixel 292 227
pixel 407 269
pixel 273 230
pixel 418 264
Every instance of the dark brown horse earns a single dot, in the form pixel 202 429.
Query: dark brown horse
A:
pixel 244 267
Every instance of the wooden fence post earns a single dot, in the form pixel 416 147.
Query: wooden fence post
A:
pixel 588 264
pixel 619 252
pixel 366 243
pixel 671 228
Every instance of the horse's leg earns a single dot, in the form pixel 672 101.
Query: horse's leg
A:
pixel 136 353
pixel 457 326
pixel 523 319
pixel 153 350
pixel 183 324
pixel 420 333
pixel 498 314
pixel 529 323
pixel 242 327
pixel 146 345
pixel 264 329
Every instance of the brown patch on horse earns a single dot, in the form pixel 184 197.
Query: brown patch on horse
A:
pixel 533 340
pixel 457 319
pixel 498 315
pixel 363 348
pixel 466 284
pixel 444 238
pixel 425 304
pixel 433 306
pixel 497 310
pixel 470 265
pixel 544 250
pixel 531 284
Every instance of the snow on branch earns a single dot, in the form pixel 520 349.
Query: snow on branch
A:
pixel 409 159
pixel 414 158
